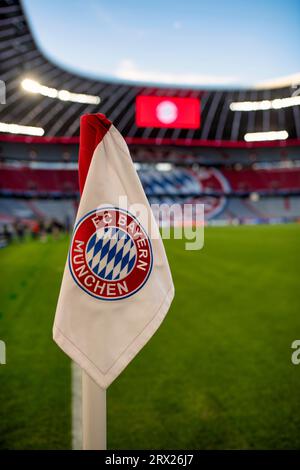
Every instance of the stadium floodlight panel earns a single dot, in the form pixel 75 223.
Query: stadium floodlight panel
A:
pixel 277 103
pixel 263 136
pixel 32 86
pixel 19 129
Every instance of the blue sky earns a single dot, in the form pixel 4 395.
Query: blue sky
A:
pixel 214 42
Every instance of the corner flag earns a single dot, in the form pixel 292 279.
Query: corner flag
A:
pixel 117 286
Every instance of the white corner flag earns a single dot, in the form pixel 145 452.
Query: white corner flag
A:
pixel 117 286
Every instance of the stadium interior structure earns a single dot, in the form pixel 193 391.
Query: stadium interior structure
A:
pixel 220 163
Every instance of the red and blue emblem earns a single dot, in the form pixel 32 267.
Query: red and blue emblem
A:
pixel 110 257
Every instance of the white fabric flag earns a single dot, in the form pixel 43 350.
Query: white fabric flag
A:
pixel 117 286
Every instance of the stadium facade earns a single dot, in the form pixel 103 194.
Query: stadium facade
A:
pixel 227 162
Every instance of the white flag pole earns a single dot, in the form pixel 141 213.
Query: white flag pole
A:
pixel 93 414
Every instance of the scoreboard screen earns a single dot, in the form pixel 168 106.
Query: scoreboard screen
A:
pixel 167 111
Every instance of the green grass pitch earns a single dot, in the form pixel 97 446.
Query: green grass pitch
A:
pixel 216 375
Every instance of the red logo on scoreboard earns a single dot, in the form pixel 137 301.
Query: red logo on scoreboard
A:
pixel 166 111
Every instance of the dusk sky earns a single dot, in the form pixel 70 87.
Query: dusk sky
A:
pixel 214 42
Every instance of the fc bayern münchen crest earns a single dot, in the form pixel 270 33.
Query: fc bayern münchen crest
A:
pixel 110 256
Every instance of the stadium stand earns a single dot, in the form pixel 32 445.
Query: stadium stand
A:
pixel 237 181
pixel 174 182
pixel 29 210
pixel 264 180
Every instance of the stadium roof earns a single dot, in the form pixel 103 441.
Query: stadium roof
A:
pixel 52 99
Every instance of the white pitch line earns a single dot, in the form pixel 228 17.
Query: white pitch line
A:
pixel 76 407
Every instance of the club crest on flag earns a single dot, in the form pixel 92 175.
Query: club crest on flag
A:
pixel 110 257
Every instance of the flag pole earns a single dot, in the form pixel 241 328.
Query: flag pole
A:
pixel 93 414
pixel 93 396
